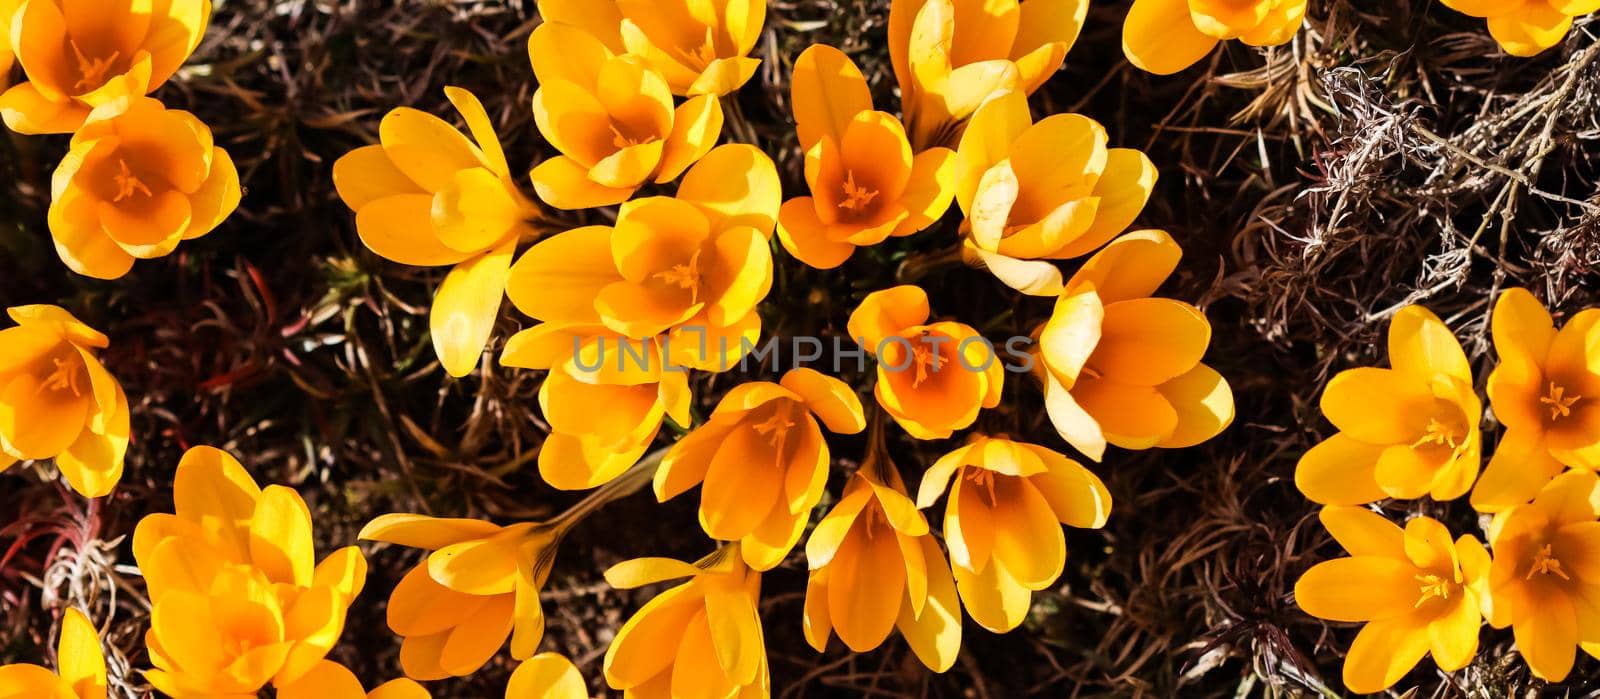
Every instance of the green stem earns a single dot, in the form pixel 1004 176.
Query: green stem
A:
pixel 631 481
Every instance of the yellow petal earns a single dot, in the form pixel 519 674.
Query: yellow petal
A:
pixel 1383 652
pixel 696 125
pixel 1123 189
pixel 740 274
pixel 1076 496
pixel 419 606
pixel 639 572
pixel 1358 589
pixel 280 536
pixel 1340 471
pixel 1364 533
pixel 929 190
pixel 1520 467
pixel 887 313
pixel 828 91
pixel 987 141
pixel 78 656
pixel 1421 345
pixel 325 680
pixel 1027 536
pixel 1529 31
pixel 642 647
pixel 466 307
pixel 867 579
pixel 1204 403
pixel 426 148
pixel 1132 266
pixel 564 184
pixel 476 640
pixel 80 242
pixel 737 185
pixel 724 76
pixel 1377 406
pixel 366 175
pixel 403 688
pixel 213 490
pixel 1046 24
pixel 429 533
pixel 1147 342
pixel 546 676
pixel 807 238
pixel 344 570
pixel 566 52
pixel 1072 422
pixel 935 633
pixel 475 211
pixel 93 463
pixel 1453 637
pixel 478 566
pixel 599 19
pixel 1159 37
pixel 993 598
pixel 1031 277
pixel 832 400
pixel 558 279
pixel 1131 416
pixel 395 227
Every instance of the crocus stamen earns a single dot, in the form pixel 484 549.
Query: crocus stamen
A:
pixel 984 478
pixel 1560 403
pixel 622 140
pixel 685 277
pixel 1545 562
pixel 1432 586
pixel 856 197
pixel 64 376
pixel 1437 433
pixel 92 70
pixel 706 52
pixel 127 184
pixel 776 428
pixel 873 515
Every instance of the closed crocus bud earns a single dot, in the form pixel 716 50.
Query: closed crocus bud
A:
pixel 1167 36
pixel 82 666
pixel 238 599
pixel 702 638
pixel 1417 591
pixel 699 49
pixel 876 568
pixel 613 120
pixel 933 378
pixel 1036 192
pixel 1002 521
pixel 1526 28
pixel 479 585
pixel 136 182
pixel 75 63
pixel 951 56
pixel 426 195
pixel 1122 367
pixel 330 680
pixel 58 402
pixel 763 461
pixel 866 185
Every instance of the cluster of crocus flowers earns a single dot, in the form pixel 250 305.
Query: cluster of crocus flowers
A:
pixel 80 672
pixel 933 377
pixel 699 49
pixel 76 62
pixel 426 195
pixel 139 179
pixel 478 585
pixel 1123 367
pixel 1404 432
pixel 866 183
pixel 876 568
pixel 672 286
pixel 58 402
pixel 701 638
pixel 238 599
pixel 951 56
pixel 1167 36
pixel 612 118
pixel 1526 27
pixel 762 460
pixel 1417 591
pixel 1005 502
pixel 1035 192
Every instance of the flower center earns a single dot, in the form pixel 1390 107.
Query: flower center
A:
pixel 776 427
pixel 65 376
pixel 856 197
pixel 983 478
pixel 622 140
pixel 127 184
pixel 1560 403
pixel 1544 562
pixel 1437 433
pixel 873 516
pixel 1432 586
pixel 706 52
pixel 92 70
pixel 685 276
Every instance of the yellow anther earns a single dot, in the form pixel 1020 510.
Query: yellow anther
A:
pixel 92 70
pixel 65 376
pixel 685 277
pixel 776 428
pixel 1432 586
pixel 983 478
pixel 1437 433
pixel 1545 562
pixel 1560 403
pixel 855 196
pixel 127 184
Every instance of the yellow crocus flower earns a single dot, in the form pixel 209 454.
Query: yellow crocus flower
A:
pixel 1035 192
pixel 75 62
pixel 612 119
pixel 238 599
pixel 763 461
pixel 933 378
pixel 58 401
pixel 876 568
pixel 951 56
pixel 699 47
pixel 330 680
pixel 865 183
pixel 1123 367
pixel 701 638
pixel 546 676
pixel 1545 579
pixel 1167 36
pixel 1404 432
pixel 428 196
pixel 1002 521
pixel 138 180
pixel 1543 391
pixel 1417 591
pixel 1526 27
pixel 82 666
pixel 479 585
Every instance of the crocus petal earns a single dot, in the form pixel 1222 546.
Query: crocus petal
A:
pixel 885 313
pixel 867 579
pixel 696 125
pixel 81 662
pixel 1377 406
pixel 1383 652
pixel 1358 589
pixel 1031 277
pixel 828 90
pixel 829 398
pixel 548 676
pixel 737 185
pixel 1046 31
pixel 1528 32
pixel 466 306
pixel 1520 467
pixel 396 228
pixel 428 533
pixel 1340 470
pixel 280 536
pixel 1421 345
pixel 1547 637
pixel 558 279
pixel 806 237
pixel 1077 497
pixel 1123 189
pixel 1204 403
pixel 1364 533
pixel 934 634
pixel 564 184
pixel 993 598
pixel 1159 37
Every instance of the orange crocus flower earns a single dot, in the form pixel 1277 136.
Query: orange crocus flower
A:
pixel 138 180
pixel 1526 28
pixel 700 48
pixel 80 59
pixel 933 378
pixel 866 185
pixel 763 461
pixel 81 666
pixel 1167 36
pixel 59 402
